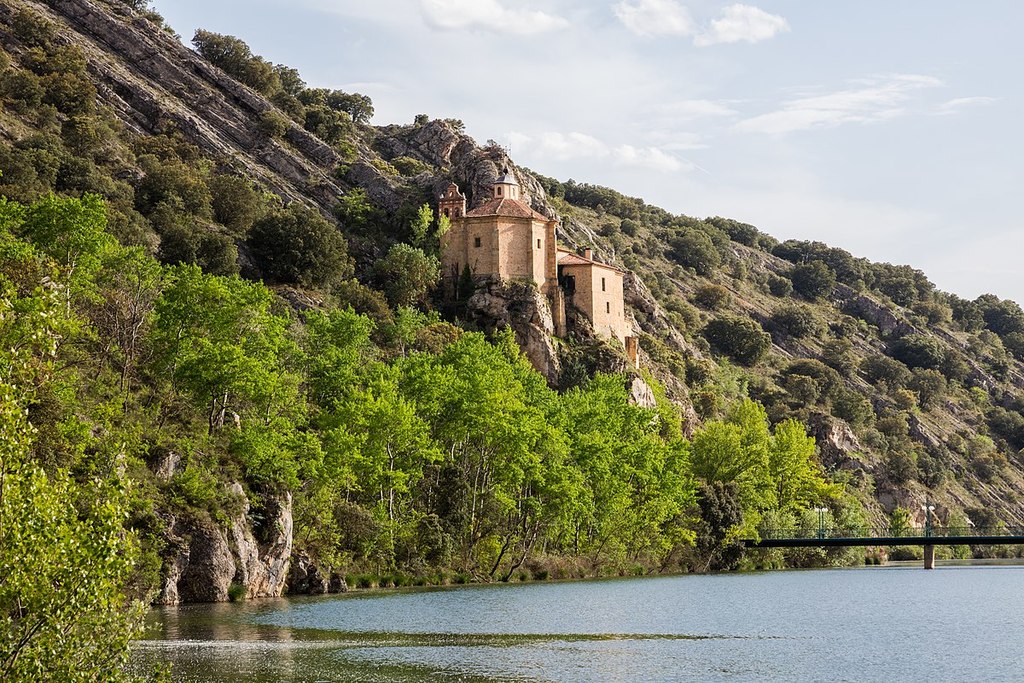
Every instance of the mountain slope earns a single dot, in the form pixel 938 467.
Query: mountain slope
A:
pixel 912 394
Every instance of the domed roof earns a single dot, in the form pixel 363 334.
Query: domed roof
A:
pixel 506 178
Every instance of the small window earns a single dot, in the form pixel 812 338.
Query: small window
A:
pixel 602 284
pixel 538 243
pixel 499 191
pixel 476 241
pixel 607 306
pixel 446 214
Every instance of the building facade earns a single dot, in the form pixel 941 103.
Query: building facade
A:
pixel 505 238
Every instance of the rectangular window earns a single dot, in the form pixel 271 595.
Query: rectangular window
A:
pixel 602 284
pixel 607 306
pixel 538 243
pixel 476 241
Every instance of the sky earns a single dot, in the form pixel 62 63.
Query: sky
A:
pixel 890 129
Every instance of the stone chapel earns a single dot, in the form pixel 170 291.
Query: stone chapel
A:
pixel 507 239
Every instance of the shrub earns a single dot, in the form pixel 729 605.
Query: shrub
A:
pixel 850 406
pixel 273 124
pixel 235 203
pixel 930 386
pixel 408 166
pixel 879 369
pixel 694 249
pixel 406 274
pixel 780 286
pixel 741 339
pixel 918 351
pixel 813 280
pixel 795 320
pixel 838 355
pixel 900 466
pixel 712 297
pixel 296 245
pixel 827 380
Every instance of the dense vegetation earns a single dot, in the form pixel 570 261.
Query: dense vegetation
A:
pixel 437 453
pixel 178 342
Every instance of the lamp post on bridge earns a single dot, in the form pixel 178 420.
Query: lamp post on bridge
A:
pixel 928 510
pixel 929 550
pixel 821 521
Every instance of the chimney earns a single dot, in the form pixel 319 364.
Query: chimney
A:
pixel 588 253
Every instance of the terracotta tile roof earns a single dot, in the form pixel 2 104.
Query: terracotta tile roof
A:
pixel 573 260
pixel 506 207
pixel 569 258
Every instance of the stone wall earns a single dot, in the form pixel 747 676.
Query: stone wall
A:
pixel 599 294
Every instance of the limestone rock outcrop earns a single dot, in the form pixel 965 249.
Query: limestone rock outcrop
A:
pixel 204 559
pixel 523 309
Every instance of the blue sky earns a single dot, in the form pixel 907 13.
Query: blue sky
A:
pixel 890 129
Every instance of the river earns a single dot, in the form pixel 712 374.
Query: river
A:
pixel 954 623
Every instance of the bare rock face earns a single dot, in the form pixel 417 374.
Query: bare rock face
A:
pixel 641 394
pixel 864 307
pixel 166 463
pixel 154 84
pixel 305 577
pixel 206 559
pixel 263 567
pixel 201 567
pixel 836 442
pixel 521 307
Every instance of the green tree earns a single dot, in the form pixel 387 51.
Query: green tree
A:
pixel 918 351
pixel 795 320
pixel 219 341
pixel 693 248
pixel 234 57
pixel 813 280
pixel 64 555
pixel 741 339
pixel 296 245
pixel 406 275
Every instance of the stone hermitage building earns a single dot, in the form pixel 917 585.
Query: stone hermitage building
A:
pixel 505 238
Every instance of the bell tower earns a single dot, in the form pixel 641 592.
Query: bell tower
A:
pixel 505 187
pixel 452 203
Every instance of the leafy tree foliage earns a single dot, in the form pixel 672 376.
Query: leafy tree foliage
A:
pixel 694 249
pixel 406 275
pixel 234 57
pixel 741 339
pixel 712 297
pixel 917 351
pixel 813 280
pixel 65 557
pixel 794 320
pixel 296 245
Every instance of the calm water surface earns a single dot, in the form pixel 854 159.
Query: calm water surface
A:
pixel 891 623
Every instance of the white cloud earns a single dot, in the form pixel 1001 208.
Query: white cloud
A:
pixel 741 23
pixel 654 17
pixel 687 110
pixel 555 146
pixel 875 100
pixel 650 158
pixel 489 15
pixel 559 146
pixel 957 104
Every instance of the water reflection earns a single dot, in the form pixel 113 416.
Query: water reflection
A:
pixel 955 623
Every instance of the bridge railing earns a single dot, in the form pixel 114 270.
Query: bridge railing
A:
pixel 810 533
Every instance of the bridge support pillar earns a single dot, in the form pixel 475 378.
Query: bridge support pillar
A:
pixel 929 557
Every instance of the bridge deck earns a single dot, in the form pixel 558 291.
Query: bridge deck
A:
pixel 806 538
pixel 833 541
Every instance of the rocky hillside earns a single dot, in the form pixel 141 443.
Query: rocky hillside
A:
pixel 911 393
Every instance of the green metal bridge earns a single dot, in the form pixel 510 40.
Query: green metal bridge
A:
pixel 928 536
